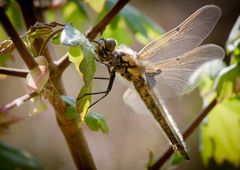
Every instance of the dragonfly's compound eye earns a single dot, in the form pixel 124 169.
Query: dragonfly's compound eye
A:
pixel 110 44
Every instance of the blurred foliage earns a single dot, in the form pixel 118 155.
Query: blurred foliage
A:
pixel 13 159
pixel 143 28
pixel 220 135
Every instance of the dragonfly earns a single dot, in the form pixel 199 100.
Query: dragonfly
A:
pixel 165 63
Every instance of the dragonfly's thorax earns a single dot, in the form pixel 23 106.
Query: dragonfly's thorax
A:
pixel 126 65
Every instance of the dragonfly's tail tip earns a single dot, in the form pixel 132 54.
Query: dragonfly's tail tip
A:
pixel 187 157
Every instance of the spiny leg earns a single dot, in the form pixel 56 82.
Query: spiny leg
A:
pixel 109 88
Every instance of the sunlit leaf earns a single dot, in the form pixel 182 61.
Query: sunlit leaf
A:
pixel 220 133
pixel 226 82
pixel 83 103
pixel 13 159
pixel 143 28
pixel 117 31
pixel 76 56
pixel 97 5
pixel 75 13
pixel 14 13
pixel 96 122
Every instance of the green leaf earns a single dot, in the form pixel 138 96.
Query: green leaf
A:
pixel 56 39
pixel 96 5
pixel 12 159
pixel 117 31
pixel 75 13
pixel 220 135
pixel 14 13
pixel 96 122
pixel 70 112
pixel 226 82
pixel 82 104
pixel 76 56
pixel 87 68
pixel 143 28
pixel 176 159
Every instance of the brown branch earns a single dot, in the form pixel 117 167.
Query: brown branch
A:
pixel 62 64
pixel 99 28
pixel 16 102
pixel 14 72
pixel 187 132
pixel 8 27
pixel 31 17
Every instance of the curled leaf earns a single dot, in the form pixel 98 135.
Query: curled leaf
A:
pixel 72 37
pixel 6 47
pixel 38 76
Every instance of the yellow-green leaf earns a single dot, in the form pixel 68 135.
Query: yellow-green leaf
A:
pixel 220 133
pixel 97 5
pixel 96 122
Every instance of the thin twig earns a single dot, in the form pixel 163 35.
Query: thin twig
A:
pixel 187 132
pixel 99 28
pixel 22 49
pixel 17 102
pixel 14 72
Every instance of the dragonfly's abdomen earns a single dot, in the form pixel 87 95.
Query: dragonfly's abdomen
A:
pixel 142 88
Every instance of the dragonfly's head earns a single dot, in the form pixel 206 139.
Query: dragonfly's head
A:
pixel 105 49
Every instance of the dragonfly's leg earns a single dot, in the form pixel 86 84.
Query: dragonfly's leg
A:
pixel 101 78
pixel 109 88
pixel 111 80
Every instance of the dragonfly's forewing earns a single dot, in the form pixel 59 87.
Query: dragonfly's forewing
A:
pixel 183 38
pixel 173 76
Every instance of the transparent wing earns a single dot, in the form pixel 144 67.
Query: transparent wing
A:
pixel 173 77
pixel 183 38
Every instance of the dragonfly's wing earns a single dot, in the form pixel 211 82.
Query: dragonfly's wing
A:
pixel 183 38
pixel 173 77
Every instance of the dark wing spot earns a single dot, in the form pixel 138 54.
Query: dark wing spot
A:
pixel 150 78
